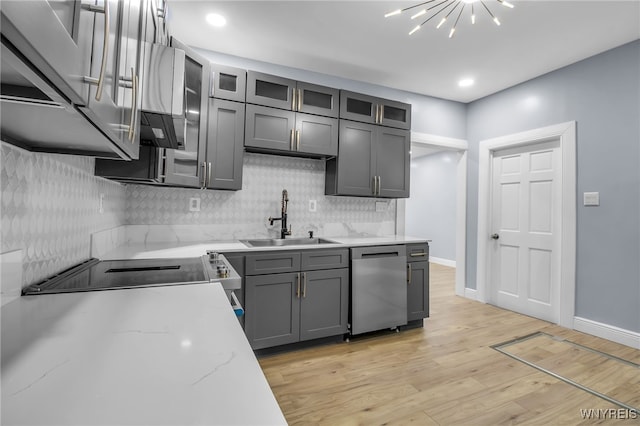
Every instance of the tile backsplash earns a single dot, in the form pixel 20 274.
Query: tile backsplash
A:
pixel 243 214
pixel 50 207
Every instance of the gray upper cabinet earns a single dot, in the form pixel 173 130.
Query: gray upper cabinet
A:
pixel 286 132
pixel 86 51
pixel 279 92
pixel 228 83
pixel 370 109
pixel 225 136
pixel 188 167
pixel 372 161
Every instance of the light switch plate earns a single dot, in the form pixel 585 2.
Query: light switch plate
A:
pixel 313 205
pixel 591 198
pixel 194 204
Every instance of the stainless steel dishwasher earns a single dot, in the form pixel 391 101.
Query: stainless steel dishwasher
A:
pixel 378 288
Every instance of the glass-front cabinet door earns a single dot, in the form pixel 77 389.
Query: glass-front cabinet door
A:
pixel 188 167
pixel 315 99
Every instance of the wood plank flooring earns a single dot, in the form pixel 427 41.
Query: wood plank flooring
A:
pixel 443 374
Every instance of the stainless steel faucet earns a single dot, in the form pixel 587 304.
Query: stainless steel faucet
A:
pixel 283 216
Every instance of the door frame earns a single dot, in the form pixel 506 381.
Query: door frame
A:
pixel 566 133
pixel 456 145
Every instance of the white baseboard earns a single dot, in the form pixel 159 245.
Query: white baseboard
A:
pixel 471 293
pixel 609 332
pixel 443 262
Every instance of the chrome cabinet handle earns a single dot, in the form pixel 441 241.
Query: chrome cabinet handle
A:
pixel 304 287
pixel 209 176
pixel 105 48
pixel 291 139
pixel 379 184
pixel 298 285
pixel 293 99
pixel 381 114
pixel 134 106
pixel 299 99
pixel 409 273
pixel 204 175
pixel 418 254
pixel 374 185
pixel 297 140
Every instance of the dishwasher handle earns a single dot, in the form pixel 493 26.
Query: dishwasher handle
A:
pixel 381 254
pixel 378 252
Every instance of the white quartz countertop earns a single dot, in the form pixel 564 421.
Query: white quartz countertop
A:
pixel 173 355
pixel 194 249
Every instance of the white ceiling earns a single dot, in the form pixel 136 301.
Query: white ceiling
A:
pixel 352 39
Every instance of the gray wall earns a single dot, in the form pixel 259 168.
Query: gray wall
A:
pixel 602 94
pixel 428 115
pixel 431 209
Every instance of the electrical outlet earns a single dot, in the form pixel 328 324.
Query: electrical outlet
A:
pixel 591 199
pixel 312 205
pixel 194 204
pixel 101 204
pixel 381 206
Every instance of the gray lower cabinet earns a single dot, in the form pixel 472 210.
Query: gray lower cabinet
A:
pixel 279 131
pixel 307 303
pixel 417 281
pixel 372 161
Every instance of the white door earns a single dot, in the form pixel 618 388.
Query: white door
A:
pixel 526 216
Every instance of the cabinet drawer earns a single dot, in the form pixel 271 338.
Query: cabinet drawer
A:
pixel 272 263
pixel 324 259
pixel 417 252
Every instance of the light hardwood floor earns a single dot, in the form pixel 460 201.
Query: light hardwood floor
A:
pixel 443 374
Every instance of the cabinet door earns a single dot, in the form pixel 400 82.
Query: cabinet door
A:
pixel 417 290
pixel 395 114
pixel 272 309
pixel 393 162
pixel 316 135
pixel 56 37
pixel 356 162
pixel 225 138
pixel 269 128
pixel 319 100
pixel 186 167
pixel 228 83
pixel 129 73
pixel 324 303
pixel 358 107
pixel 270 90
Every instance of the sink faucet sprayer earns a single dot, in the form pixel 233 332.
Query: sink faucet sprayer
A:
pixel 283 216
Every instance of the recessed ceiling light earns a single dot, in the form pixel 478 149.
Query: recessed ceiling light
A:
pixel 466 82
pixel 216 20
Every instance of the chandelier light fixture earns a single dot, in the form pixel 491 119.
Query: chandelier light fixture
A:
pixel 446 8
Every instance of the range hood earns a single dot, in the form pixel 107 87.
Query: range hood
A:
pixel 162 118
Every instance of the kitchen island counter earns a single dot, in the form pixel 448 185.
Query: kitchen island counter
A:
pixel 163 355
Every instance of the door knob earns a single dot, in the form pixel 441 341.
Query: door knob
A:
pixel 495 236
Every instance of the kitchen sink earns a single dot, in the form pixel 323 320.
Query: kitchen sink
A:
pixel 278 242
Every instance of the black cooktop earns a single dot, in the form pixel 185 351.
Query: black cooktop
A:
pixel 94 274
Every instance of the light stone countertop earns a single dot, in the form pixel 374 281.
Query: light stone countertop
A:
pixel 173 355
pixel 194 249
